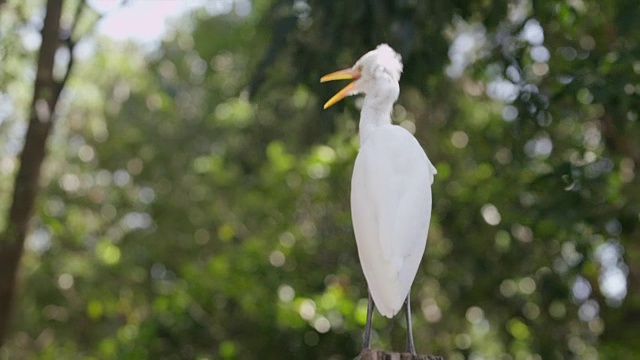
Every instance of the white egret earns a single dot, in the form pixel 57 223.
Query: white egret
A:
pixel 390 187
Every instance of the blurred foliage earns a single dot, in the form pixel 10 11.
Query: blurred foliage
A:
pixel 196 197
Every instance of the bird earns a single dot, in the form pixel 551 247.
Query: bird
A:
pixel 391 197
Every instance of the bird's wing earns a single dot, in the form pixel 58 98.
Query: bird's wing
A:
pixel 391 210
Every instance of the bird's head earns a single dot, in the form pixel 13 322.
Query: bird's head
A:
pixel 376 73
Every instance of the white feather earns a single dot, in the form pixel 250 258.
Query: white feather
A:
pixel 391 183
pixel 391 209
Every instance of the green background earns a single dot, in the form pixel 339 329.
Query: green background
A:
pixel 195 200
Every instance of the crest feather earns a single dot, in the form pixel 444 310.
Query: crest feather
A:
pixel 390 59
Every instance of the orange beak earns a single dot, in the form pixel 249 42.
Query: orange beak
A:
pixel 346 74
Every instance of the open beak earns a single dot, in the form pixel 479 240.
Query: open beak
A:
pixel 346 74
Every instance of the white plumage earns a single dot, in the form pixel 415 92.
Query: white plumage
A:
pixel 391 208
pixel 391 183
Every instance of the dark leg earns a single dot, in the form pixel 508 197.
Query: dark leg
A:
pixel 367 328
pixel 410 345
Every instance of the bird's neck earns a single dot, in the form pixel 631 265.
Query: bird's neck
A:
pixel 375 112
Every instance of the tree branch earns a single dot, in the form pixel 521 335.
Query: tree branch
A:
pixel 70 43
pixel 281 29
pixel 31 158
pixel 46 94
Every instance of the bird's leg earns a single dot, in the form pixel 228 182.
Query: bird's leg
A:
pixel 367 328
pixel 410 345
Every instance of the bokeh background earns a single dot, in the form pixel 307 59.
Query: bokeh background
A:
pixel 194 202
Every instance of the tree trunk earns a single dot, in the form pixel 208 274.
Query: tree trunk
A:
pixel 45 97
pixel 373 354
